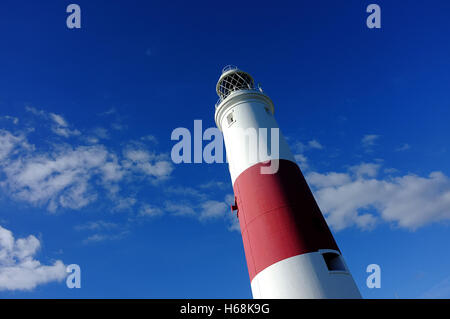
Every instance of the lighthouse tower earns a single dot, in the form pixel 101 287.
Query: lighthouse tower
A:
pixel 289 248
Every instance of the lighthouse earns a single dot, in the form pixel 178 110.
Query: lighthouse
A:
pixel 289 248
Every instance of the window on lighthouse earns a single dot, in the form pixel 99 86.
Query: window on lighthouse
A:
pixel 230 119
pixel 334 261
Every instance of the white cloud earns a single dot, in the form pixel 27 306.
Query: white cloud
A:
pixel 213 209
pixel 118 126
pixel 18 268
pixel 329 179
pixel 68 176
pixel 234 223
pixel 302 160
pixel 390 170
pixel 35 111
pixel 101 132
pixel 186 191
pixel 300 148
pixel 315 144
pixel 439 291
pixel 125 203
pixel 64 131
pixel 404 147
pixel 148 163
pixel 95 238
pixel 369 140
pixel 180 209
pixel 96 225
pixel 150 138
pixel 59 179
pixel 13 119
pixel 365 170
pixel 59 175
pixel 59 124
pixel 109 112
pixel 58 119
pixel 149 210
pixel 215 185
pixel 357 198
pixel 112 171
pixel 204 209
pixel 103 231
pixel 8 142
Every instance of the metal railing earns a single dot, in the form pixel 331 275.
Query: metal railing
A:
pixel 229 67
pixel 259 90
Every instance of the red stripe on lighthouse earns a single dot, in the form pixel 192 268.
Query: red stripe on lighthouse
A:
pixel 279 216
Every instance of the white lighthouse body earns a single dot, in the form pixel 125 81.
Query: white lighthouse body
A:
pixel 289 248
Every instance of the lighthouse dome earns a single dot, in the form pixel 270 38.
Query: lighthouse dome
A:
pixel 233 79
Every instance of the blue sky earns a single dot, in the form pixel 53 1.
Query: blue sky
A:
pixel 86 117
